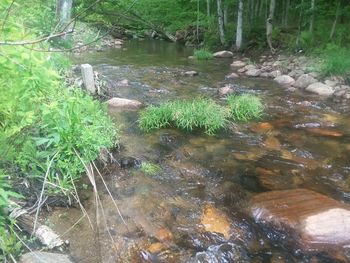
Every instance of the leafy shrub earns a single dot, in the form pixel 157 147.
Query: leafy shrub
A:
pixel 150 168
pixel 187 115
pixel 8 241
pixel 245 107
pixel 336 60
pixel 203 54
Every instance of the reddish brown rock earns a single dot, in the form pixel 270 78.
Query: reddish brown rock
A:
pixel 216 221
pixel 311 221
pixel 262 127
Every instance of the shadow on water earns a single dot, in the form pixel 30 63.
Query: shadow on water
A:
pixel 195 208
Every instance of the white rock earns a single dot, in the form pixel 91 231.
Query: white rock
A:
pixel 232 76
pixel 223 54
pixel 320 89
pixel 191 73
pixel 124 103
pixel 250 66
pixel 238 64
pixel 285 80
pixel 40 257
pixel 331 83
pixel 304 81
pixel 253 72
pixel 275 73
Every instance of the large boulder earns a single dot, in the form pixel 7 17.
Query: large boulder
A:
pixel 40 257
pixel 285 80
pixel 320 89
pixel 122 103
pixel 223 54
pixel 304 81
pixel 306 219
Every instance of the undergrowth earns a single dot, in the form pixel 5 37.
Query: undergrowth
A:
pixel 201 113
pixel 202 54
pixel 336 60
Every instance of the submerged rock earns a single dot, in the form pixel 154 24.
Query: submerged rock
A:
pixel 223 54
pixel 215 221
pixel 225 90
pixel 232 76
pixel 39 257
pixel 227 252
pixel 122 103
pixel 308 220
pixel 320 89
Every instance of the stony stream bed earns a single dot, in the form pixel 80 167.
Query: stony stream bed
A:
pixel 273 190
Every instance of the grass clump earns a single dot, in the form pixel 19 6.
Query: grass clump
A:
pixel 245 107
pixel 150 168
pixel 203 54
pixel 186 115
pixel 336 60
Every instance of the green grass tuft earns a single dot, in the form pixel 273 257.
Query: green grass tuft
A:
pixel 150 168
pixel 186 115
pixel 245 107
pixel 202 54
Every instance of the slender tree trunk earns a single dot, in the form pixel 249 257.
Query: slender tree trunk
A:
pixel 269 24
pixel 312 17
pixel 197 27
pixel 337 13
pixel 208 8
pixel 286 15
pixel 300 23
pixel 221 22
pixel 225 15
pixel 239 25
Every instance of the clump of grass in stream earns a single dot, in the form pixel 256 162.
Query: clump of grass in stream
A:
pixel 150 168
pixel 203 54
pixel 245 107
pixel 186 115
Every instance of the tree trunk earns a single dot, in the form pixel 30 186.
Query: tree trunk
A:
pixel 221 22
pixel 208 8
pixel 269 24
pixel 337 13
pixel 300 23
pixel 312 17
pixel 239 25
pixel 286 15
pixel 225 15
pixel 63 11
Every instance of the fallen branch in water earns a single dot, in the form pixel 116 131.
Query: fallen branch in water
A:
pixel 26 222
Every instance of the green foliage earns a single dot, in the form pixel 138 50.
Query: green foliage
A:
pixel 8 241
pixel 245 107
pixel 43 121
pixel 187 115
pixel 336 60
pixel 150 168
pixel 203 54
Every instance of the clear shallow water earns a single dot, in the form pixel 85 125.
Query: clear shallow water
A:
pixel 206 181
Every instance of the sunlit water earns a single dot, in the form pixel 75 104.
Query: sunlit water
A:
pixel 203 178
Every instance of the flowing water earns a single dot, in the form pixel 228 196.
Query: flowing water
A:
pixel 196 208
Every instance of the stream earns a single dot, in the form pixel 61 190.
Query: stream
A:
pixel 196 208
